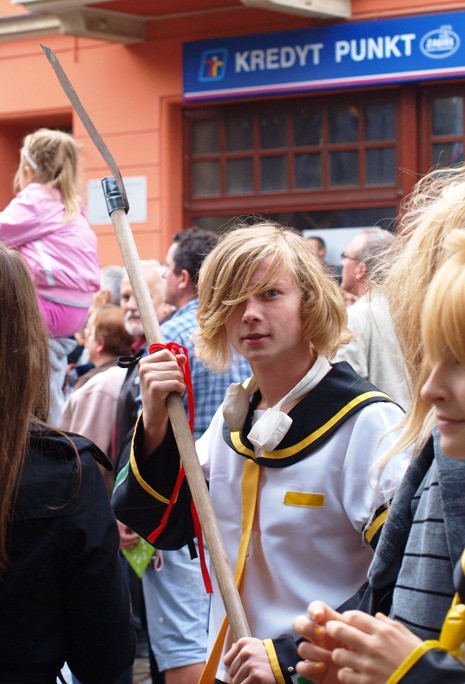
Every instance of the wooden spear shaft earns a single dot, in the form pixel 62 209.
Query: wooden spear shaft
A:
pixel 178 419
pixel 117 204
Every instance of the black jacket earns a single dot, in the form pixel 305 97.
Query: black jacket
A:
pixel 63 597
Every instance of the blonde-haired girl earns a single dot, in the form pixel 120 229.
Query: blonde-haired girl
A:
pixel 411 576
pixel 46 224
pixel 374 650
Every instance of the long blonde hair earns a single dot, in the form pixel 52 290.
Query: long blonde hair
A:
pixel 224 282
pixel 24 378
pixel 435 208
pixel 443 315
pixel 52 155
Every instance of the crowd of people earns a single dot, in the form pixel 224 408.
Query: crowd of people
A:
pixel 328 412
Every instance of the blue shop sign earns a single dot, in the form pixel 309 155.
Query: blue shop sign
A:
pixel 333 56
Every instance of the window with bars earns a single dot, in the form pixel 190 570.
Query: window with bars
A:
pixel 293 158
pixel 289 149
pixel 336 160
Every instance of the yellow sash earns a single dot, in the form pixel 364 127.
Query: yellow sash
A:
pixel 249 490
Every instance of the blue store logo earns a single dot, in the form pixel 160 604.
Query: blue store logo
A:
pixel 213 65
pixel 443 42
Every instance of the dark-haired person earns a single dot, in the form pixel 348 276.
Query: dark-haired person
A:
pixel 62 597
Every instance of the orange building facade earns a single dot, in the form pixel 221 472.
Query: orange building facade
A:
pixel 267 121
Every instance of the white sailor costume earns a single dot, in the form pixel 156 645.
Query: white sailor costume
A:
pixel 310 503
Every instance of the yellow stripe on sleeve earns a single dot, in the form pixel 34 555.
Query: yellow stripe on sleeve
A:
pixel 273 658
pixel 410 660
pixel 135 469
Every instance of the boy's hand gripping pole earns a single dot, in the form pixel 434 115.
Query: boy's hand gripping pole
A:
pixel 117 204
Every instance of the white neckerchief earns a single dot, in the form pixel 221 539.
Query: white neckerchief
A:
pixel 271 427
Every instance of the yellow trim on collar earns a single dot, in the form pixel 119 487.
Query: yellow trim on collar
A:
pixel 236 440
pixel 274 662
pixel 304 499
pixel 377 523
pixel 295 448
pixel 411 660
pixel 135 469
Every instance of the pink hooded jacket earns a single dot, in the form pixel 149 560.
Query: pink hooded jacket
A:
pixel 62 257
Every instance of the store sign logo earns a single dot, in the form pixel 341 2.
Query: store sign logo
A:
pixel 213 65
pixel 443 42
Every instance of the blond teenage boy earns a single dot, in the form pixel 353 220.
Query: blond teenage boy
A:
pixel 287 455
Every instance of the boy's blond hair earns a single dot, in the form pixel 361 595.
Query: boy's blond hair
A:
pixel 224 282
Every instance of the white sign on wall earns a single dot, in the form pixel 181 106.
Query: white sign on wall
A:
pixel 136 190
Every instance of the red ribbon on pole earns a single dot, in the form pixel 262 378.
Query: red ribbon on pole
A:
pixel 177 350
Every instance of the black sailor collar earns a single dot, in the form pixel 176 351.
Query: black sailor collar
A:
pixel 316 417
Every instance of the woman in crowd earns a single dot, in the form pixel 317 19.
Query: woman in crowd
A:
pixel 411 577
pixel 62 597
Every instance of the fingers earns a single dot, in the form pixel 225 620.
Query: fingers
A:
pixel 313 627
pixel 347 634
pixel 393 623
pixel 312 671
pixel 308 628
pixel 348 676
pixel 363 621
pixel 160 375
pixel 320 612
pixel 231 654
pixel 346 659
pixel 128 538
pixel 161 372
pixel 247 661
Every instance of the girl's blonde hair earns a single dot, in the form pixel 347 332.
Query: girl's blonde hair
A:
pixel 443 315
pixel 53 157
pixel 224 282
pixel 435 208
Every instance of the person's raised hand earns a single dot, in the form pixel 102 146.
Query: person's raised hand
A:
pixel 374 647
pixel 316 664
pixel 159 375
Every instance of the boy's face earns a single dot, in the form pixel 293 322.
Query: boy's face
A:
pixel 266 329
pixel 445 389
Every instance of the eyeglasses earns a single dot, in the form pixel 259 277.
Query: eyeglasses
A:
pixel 344 255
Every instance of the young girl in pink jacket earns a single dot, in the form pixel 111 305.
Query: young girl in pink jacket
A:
pixel 46 224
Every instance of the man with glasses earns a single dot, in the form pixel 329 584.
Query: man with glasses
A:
pixel 373 350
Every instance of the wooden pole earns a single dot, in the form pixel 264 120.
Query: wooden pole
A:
pixel 178 419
